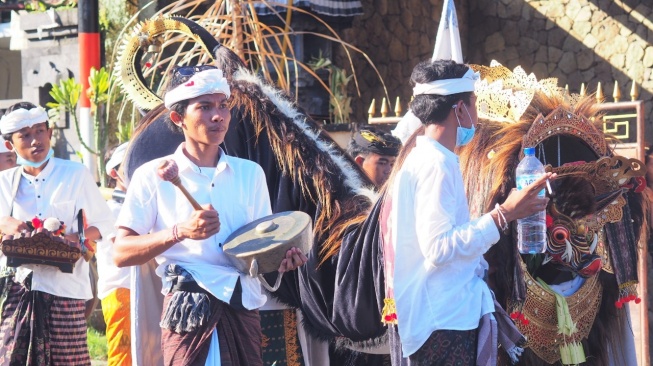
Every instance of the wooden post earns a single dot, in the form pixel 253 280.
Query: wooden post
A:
pixel 372 110
pixel 616 94
pixel 398 109
pixel 599 93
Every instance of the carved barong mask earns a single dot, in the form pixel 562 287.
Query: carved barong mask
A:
pixel 588 192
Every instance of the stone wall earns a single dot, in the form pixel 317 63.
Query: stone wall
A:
pixel 9 74
pixel 396 35
pixel 577 41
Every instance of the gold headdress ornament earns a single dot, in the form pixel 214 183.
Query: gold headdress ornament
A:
pixel 148 36
pixel 503 95
pixel 562 122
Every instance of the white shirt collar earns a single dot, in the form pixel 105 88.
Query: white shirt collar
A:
pixel 45 173
pixel 183 163
pixel 427 141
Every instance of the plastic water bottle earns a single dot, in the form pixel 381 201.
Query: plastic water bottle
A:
pixel 531 230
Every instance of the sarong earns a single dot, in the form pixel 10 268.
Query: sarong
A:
pixel 115 308
pixel 447 347
pixel 280 342
pixel 239 330
pixel 40 329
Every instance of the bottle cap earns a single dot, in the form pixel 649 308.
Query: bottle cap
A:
pixel 529 151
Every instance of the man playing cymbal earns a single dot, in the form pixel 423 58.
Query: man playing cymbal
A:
pixel 209 314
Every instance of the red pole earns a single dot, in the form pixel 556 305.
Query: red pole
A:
pixel 89 44
pixel 89 57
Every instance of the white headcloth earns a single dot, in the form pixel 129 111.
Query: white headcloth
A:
pixel 21 118
pixel 449 86
pixel 204 82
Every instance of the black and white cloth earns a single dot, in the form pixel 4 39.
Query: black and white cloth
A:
pixel 334 8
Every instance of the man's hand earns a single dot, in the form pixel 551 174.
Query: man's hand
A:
pixel 74 237
pixel 202 224
pixel 12 226
pixel 294 259
pixel 526 202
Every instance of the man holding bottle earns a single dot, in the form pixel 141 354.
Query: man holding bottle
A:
pixel 439 291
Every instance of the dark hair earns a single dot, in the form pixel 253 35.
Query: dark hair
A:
pixel 435 108
pixel 13 107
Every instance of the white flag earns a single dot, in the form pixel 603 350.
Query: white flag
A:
pixel 447 47
pixel 447 41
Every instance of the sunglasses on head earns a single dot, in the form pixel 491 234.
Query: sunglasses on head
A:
pixel 192 70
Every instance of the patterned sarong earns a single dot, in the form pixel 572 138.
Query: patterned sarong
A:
pixel 191 314
pixel 115 308
pixel 280 342
pixel 40 329
pixel 447 348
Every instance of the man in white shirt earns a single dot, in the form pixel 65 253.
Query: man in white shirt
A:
pixel 114 282
pixel 42 307
pixel 209 311
pixel 439 291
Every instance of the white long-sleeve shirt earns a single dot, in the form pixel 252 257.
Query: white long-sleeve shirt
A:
pixel 437 248
pixel 60 190
pixel 111 277
pixel 237 190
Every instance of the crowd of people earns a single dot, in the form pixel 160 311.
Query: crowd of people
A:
pixel 210 314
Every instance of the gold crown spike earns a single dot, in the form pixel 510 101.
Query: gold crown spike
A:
pixel 567 89
pixel 600 97
pixel 634 92
pixel 372 110
pixel 384 108
pixel 616 94
pixel 583 90
pixel 398 109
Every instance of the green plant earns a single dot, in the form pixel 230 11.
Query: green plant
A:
pixel 99 82
pixel 97 344
pixel 66 96
pixel 339 99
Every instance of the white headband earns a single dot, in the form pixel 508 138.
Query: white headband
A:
pixel 21 118
pixel 204 82
pixel 448 86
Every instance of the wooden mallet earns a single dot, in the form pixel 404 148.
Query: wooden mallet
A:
pixel 169 171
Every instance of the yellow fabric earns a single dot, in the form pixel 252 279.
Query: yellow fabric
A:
pixel 115 308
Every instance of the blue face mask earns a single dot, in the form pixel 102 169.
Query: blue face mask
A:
pixel 464 135
pixel 24 162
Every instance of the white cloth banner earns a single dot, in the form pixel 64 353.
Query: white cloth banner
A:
pixel 447 41
pixel 447 47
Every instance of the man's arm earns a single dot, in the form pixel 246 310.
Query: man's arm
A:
pixel 440 238
pixel 133 249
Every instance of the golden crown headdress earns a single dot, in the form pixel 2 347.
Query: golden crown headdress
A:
pixel 503 95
